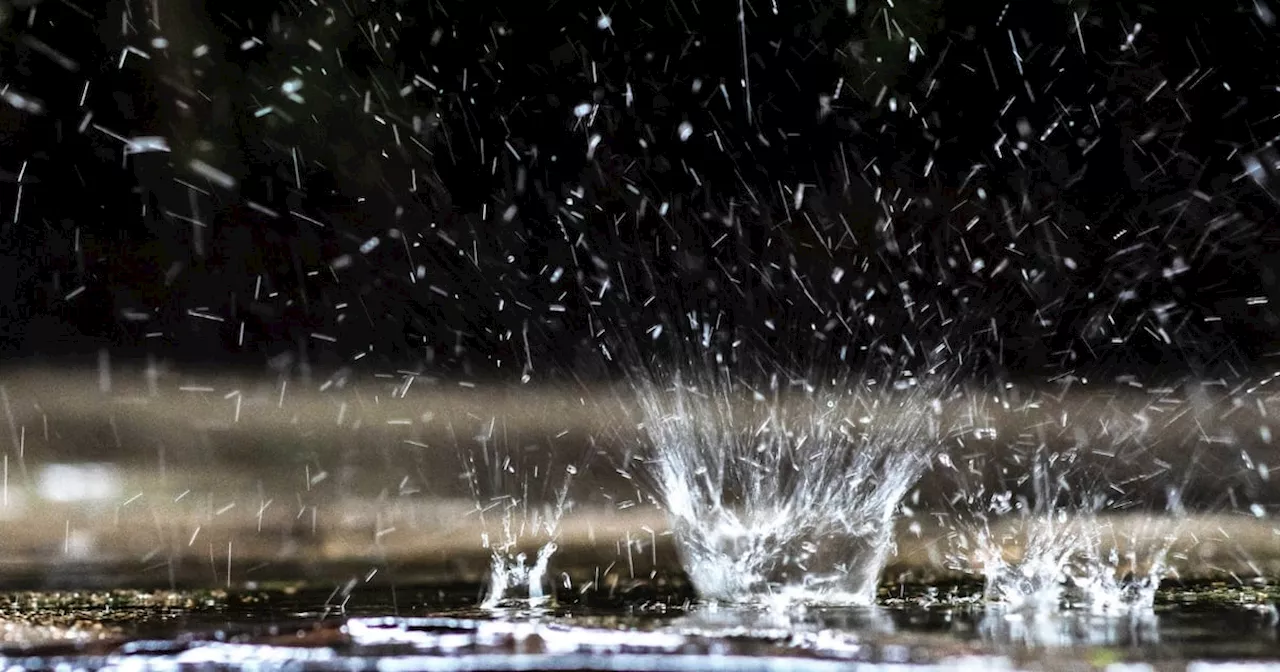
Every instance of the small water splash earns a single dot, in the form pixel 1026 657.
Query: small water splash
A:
pixel 1082 562
pixel 518 511
pixel 1027 567
pixel 513 581
pixel 782 498
pixel 1053 524
pixel 1083 553
pixel 1121 567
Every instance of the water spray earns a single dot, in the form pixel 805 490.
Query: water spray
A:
pixel 511 489
pixel 786 492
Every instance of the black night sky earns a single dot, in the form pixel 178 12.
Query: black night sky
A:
pixel 495 190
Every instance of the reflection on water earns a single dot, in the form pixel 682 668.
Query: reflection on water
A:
pixel 284 630
pixel 1040 629
pixel 762 622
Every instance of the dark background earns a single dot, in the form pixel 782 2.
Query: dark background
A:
pixel 1124 237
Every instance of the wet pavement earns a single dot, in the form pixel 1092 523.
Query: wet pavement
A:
pixel 376 627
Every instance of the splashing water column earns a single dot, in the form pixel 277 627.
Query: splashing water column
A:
pixel 784 501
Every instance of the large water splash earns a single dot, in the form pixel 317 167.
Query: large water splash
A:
pixel 777 496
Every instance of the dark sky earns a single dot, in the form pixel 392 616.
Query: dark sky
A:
pixel 507 189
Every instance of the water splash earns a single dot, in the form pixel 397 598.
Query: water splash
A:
pixel 781 497
pixel 1121 569
pixel 1082 553
pixel 517 511
pixel 1105 566
pixel 512 580
pixel 1027 567
pixel 1083 578
pixel 1069 527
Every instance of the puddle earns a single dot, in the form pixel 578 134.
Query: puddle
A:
pixel 1199 627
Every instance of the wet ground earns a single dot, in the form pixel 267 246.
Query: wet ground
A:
pixel 645 626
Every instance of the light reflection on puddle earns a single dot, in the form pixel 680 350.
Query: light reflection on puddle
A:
pixel 701 638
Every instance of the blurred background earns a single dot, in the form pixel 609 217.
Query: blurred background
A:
pixel 466 189
pixel 270 272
